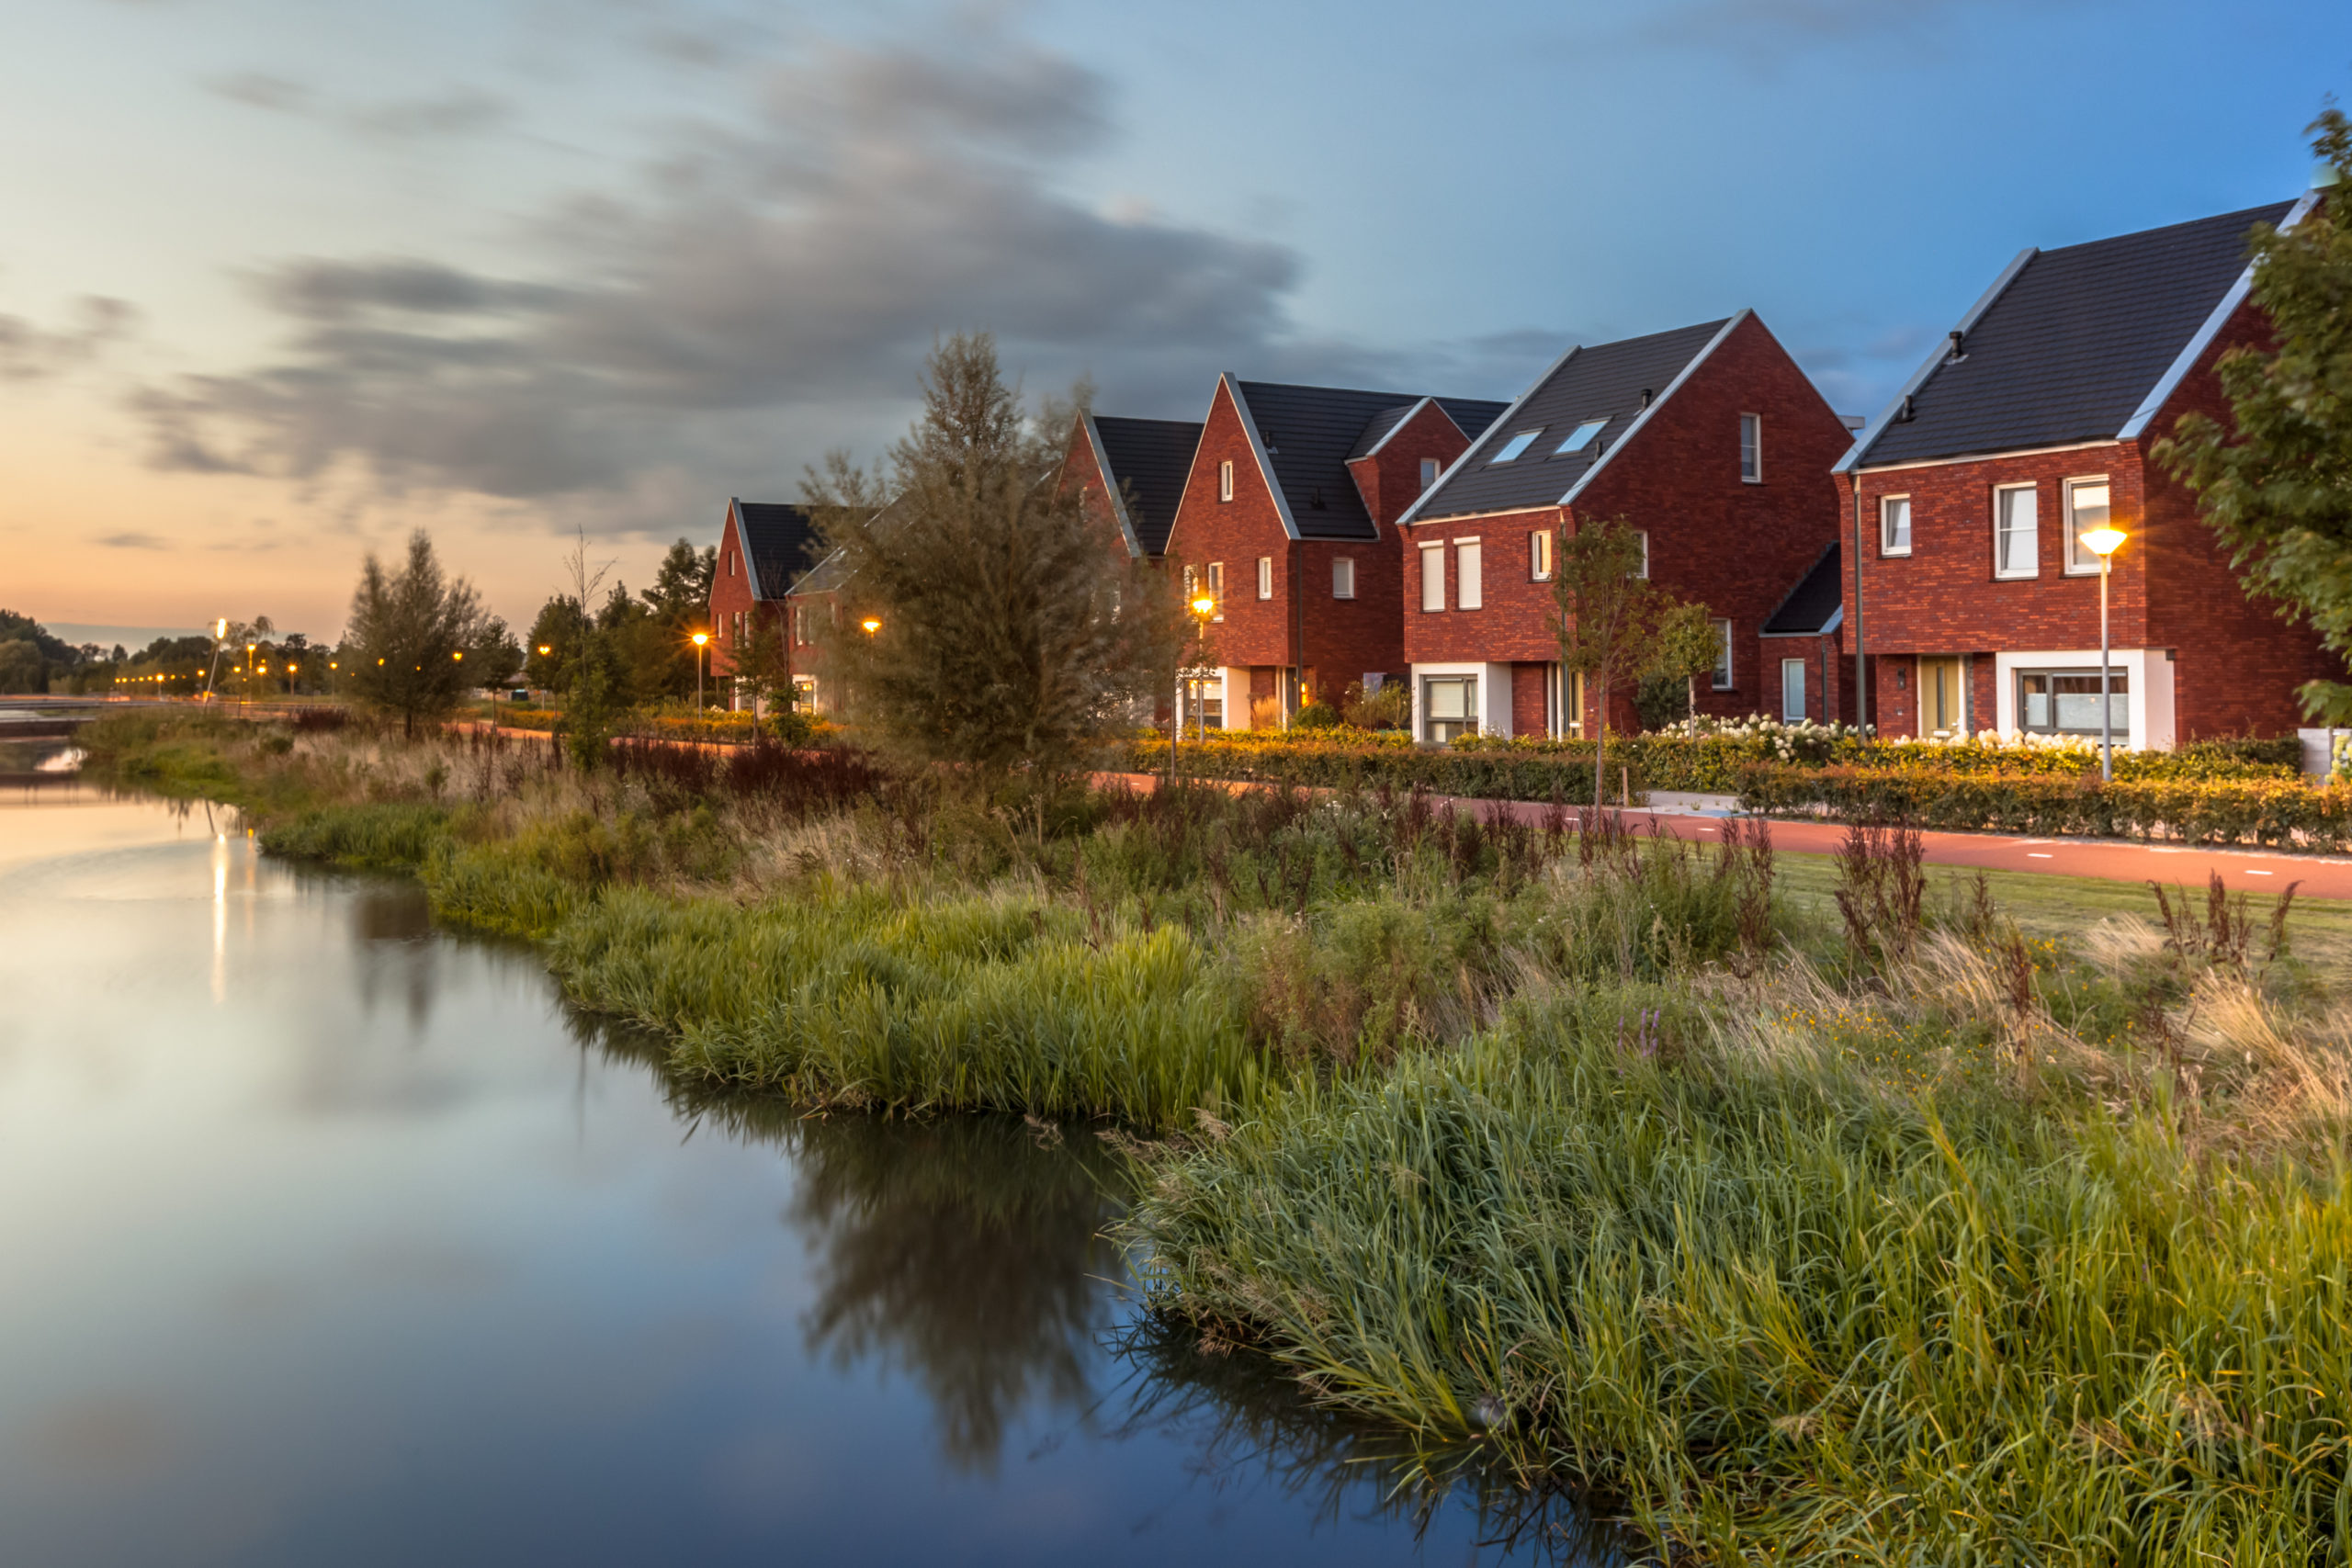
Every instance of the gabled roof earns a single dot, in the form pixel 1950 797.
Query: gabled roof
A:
pixel 1384 425
pixel 1816 605
pixel 780 541
pixel 1148 458
pixel 2071 345
pixel 1608 382
pixel 1307 434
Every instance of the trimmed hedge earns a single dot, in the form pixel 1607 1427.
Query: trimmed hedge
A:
pixel 1488 774
pixel 2279 812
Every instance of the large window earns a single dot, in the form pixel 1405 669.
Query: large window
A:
pixel 2016 531
pixel 1469 578
pixel 1517 445
pixel 1225 479
pixel 1265 577
pixel 2085 509
pixel 1432 577
pixel 1343 578
pixel 1722 656
pixel 1539 554
pixel 1751 447
pixel 1895 525
pixel 1793 706
pixel 1449 706
pixel 2065 702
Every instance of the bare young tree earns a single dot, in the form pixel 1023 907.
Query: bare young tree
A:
pixel 1009 628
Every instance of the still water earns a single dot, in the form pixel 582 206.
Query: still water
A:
pixel 329 1238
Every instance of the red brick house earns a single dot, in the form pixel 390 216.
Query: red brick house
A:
pixel 1288 520
pixel 764 549
pixel 1136 468
pixel 1975 602
pixel 1709 439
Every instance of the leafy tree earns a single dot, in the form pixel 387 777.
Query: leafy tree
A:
pixel 681 592
pixel 411 630
pixel 2279 489
pixel 562 628
pixel 763 668
pixel 1013 628
pixel 1616 627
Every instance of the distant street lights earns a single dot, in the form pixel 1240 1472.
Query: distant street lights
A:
pixel 2103 543
pixel 702 641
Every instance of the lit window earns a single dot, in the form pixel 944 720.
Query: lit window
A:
pixel 1343 578
pixel 1722 656
pixel 1895 525
pixel 1225 479
pixel 1265 577
pixel 2087 509
pixel 1580 437
pixel 1751 448
pixel 1469 591
pixel 1428 472
pixel 1516 445
pixel 2016 528
pixel 1432 577
pixel 1539 554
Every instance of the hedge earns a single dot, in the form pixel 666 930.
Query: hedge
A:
pixel 2279 812
pixel 1489 773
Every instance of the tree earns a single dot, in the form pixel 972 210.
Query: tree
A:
pixel 411 630
pixel 762 668
pixel 562 628
pixel 1013 629
pixel 1616 627
pixel 2279 489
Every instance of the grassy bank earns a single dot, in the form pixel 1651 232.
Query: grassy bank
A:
pixel 1820 1214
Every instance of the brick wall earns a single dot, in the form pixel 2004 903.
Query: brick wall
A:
pixel 1254 632
pixel 730 593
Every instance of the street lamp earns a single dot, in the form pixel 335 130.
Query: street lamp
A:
pixel 702 640
pixel 220 631
pixel 2103 543
pixel 871 625
pixel 1203 606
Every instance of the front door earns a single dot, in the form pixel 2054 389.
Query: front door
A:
pixel 1943 701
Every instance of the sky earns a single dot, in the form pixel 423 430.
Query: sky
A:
pixel 281 280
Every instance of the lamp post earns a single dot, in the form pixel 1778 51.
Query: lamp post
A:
pixel 702 639
pixel 2103 543
pixel 1203 608
pixel 220 631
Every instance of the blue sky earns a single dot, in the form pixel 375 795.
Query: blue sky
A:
pixel 280 280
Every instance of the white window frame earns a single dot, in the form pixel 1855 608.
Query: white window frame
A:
pixel 1433 581
pixel 1430 468
pixel 1539 556
pixel 2086 564
pixel 1217 590
pixel 1751 448
pixel 2033 565
pixel 1886 505
pixel 1796 666
pixel 1469 573
pixel 2118 675
pixel 730 563
pixel 1343 577
pixel 1724 677
pixel 1225 479
pixel 1265 577
pixel 1642 571
pixel 1471 720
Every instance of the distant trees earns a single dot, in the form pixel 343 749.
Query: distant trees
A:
pixel 2278 488
pixel 28 654
pixel 410 633
pixel 1618 628
pixel 1012 627
pixel 646 638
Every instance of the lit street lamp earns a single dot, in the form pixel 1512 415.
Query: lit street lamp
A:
pixel 871 625
pixel 702 641
pixel 1203 608
pixel 2103 543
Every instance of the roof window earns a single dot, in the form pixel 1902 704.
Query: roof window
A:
pixel 1517 445
pixel 1579 438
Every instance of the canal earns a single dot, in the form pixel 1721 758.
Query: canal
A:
pixel 331 1237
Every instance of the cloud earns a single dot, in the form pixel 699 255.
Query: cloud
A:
pixel 260 90
pixel 1768 32
pixel 768 289
pixel 132 542
pixel 28 353
pixel 455 111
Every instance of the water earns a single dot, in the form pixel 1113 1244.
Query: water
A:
pixel 325 1237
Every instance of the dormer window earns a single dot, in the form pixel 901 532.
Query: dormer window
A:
pixel 1580 437
pixel 1517 445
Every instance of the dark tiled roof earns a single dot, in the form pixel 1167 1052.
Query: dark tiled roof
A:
pixel 1309 433
pixel 826 576
pixel 781 541
pixel 2074 343
pixel 1813 603
pixel 1605 382
pixel 1377 431
pixel 1151 457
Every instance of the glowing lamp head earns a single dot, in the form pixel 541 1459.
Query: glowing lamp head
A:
pixel 460 654
pixel 701 638
pixel 2103 541
pixel 871 625
pixel 1203 606
pixel 220 627
pixel 545 650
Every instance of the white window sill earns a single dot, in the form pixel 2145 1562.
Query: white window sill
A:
pixel 1903 553
pixel 2015 576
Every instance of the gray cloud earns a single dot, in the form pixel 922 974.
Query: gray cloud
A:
pixel 455 111
pixel 131 541
pixel 29 352
pixel 770 289
pixel 260 90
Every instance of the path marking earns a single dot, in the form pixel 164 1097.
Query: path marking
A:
pixel 2262 874
pixel 2037 854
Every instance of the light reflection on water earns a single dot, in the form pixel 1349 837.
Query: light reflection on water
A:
pixel 331 1238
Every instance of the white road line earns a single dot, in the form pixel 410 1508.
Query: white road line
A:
pixel 2037 854
pixel 2261 873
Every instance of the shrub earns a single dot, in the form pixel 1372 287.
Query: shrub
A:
pixel 1315 716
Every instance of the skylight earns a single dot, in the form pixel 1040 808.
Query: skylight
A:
pixel 1516 445
pixel 1580 437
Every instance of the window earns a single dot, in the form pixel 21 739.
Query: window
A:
pixel 1343 578
pixel 1430 467
pixel 1265 577
pixel 1643 571
pixel 1517 445
pixel 1792 689
pixel 1469 582
pixel 1895 525
pixel 1579 438
pixel 1539 554
pixel 1217 588
pixel 800 625
pixel 1225 479
pixel 1449 706
pixel 2015 526
pixel 1751 448
pixel 1722 656
pixel 1432 577
pixel 730 563
pixel 2085 509
pixel 2065 702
